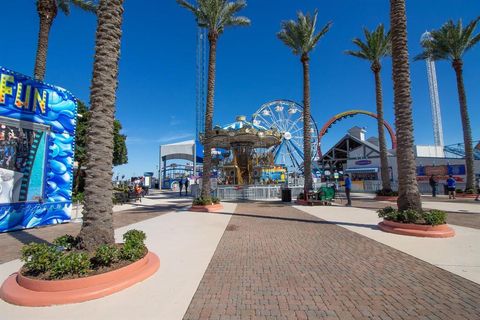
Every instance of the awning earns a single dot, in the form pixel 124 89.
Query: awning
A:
pixel 362 170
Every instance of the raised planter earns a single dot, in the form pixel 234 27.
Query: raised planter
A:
pixel 386 198
pixel 417 230
pixel 24 291
pixel 466 195
pixel 207 208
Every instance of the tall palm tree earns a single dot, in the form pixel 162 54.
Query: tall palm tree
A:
pixel 376 47
pixel 408 194
pixel 47 11
pixel 300 36
pixel 97 227
pixel 215 16
pixel 451 42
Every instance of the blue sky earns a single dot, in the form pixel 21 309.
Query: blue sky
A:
pixel 156 94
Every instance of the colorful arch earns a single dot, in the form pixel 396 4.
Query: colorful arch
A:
pixel 352 113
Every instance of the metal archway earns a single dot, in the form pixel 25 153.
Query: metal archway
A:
pixel 351 113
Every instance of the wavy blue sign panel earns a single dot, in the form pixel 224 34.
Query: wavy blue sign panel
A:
pixel 37 140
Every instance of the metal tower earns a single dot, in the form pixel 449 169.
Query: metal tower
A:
pixel 201 80
pixel 434 99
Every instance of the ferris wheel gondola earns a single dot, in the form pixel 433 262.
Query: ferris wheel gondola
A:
pixel 287 117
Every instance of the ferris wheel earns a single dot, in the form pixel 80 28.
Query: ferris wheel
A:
pixel 287 117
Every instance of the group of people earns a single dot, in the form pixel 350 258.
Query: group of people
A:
pixel 184 182
pixel 451 185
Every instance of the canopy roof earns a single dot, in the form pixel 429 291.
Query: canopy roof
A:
pixel 242 132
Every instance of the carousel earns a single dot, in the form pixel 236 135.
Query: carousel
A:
pixel 246 157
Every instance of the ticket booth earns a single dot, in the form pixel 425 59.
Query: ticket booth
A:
pixel 37 139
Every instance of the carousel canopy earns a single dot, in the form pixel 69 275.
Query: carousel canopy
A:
pixel 242 132
pixel 241 122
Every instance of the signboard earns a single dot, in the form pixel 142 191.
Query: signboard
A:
pixel 363 162
pixel 37 133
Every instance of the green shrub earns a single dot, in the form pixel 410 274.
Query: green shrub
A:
pixel 411 216
pixel 67 242
pixel 431 217
pixel 78 197
pixel 134 236
pixel 301 196
pixel 106 255
pixel 459 191
pixel 132 251
pixel 202 201
pixel 387 193
pixel 71 263
pixel 134 247
pixel 215 200
pixel 470 191
pixel 435 217
pixel 39 257
pixel 387 213
pixel 407 216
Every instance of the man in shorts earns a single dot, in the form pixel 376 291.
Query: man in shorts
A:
pixel 451 185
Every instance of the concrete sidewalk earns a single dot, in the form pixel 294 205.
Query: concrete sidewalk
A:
pixel 459 255
pixel 184 241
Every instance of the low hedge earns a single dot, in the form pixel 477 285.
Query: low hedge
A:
pixel 62 259
pixel 430 217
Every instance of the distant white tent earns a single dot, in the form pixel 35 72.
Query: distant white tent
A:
pixel 185 150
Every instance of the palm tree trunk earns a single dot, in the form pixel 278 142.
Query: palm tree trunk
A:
pixel 408 194
pixel 467 130
pixel 307 143
pixel 47 11
pixel 207 153
pixel 381 131
pixel 97 227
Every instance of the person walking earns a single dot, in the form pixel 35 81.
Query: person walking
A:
pixel 181 182
pixel 433 184
pixel 478 189
pixel 451 185
pixel 348 188
pixel 187 183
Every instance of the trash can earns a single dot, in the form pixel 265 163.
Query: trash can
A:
pixel 287 195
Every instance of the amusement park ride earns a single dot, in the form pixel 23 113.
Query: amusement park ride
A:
pixel 269 146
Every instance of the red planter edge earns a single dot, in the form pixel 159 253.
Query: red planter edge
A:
pixel 23 291
pixel 417 230
pixel 208 208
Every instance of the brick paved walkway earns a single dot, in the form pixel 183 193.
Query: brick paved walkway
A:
pixel 276 262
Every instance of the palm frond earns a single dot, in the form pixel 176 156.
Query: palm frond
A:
pixel 216 15
pixel 64 6
pixel 89 6
pixel 451 41
pixel 377 45
pixel 300 35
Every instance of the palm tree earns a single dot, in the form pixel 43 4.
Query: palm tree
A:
pixel 97 227
pixel 47 11
pixel 408 194
pixel 376 47
pixel 215 16
pixel 451 42
pixel 300 36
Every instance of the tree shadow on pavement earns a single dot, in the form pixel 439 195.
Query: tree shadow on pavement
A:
pixel 341 223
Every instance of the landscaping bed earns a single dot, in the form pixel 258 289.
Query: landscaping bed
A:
pixel 431 223
pixel 62 273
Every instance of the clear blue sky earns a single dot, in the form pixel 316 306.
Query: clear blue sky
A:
pixel 156 95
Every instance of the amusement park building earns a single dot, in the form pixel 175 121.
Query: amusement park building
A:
pixel 360 157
